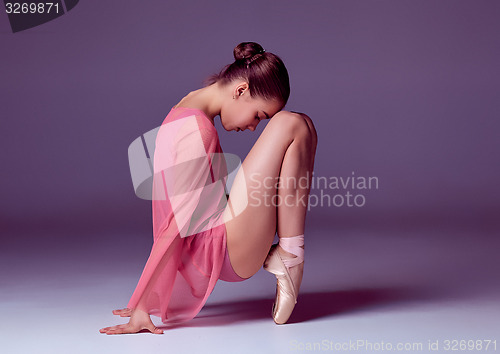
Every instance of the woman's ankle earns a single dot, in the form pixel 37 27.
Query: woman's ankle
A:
pixel 284 253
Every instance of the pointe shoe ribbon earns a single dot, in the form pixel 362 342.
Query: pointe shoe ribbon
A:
pixel 287 288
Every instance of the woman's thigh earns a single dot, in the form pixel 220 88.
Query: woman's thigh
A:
pixel 250 215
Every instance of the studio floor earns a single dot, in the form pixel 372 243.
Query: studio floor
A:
pixel 364 290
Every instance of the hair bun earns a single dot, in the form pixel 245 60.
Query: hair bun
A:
pixel 247 50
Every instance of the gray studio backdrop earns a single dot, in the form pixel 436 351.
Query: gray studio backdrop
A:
pixel 404 91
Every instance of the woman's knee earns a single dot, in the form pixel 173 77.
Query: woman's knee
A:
pixel 296 125
pixel 312 128
pixel 289 123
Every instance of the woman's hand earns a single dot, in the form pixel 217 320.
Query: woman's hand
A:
pixel 126 312
pixel 139 321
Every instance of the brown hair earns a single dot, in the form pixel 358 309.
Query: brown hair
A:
pixel 265 72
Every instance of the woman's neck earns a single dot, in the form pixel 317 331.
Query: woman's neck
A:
pixel 208 99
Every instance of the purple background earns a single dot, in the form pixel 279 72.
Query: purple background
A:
pixel 407 91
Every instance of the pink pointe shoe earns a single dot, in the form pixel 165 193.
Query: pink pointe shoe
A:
pixel 287 287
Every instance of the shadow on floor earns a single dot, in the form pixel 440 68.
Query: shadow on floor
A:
pixel 310 306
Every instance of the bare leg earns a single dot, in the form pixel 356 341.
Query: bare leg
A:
pixel 284 151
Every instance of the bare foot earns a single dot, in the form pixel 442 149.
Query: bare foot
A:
pixel 126 312
pixel 139 320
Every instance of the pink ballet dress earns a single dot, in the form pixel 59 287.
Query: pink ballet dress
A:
pixel 189 252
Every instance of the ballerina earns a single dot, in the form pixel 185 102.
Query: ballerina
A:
pixel 201 235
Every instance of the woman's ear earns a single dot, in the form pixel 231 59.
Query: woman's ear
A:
pixel 241 88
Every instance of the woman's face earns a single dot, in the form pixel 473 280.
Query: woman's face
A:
pixel 244 112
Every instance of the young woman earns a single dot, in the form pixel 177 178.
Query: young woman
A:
pixel 200 236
